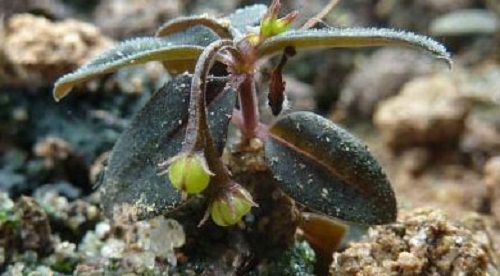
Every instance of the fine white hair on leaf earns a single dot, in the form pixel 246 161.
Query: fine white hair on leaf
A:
pixel 183 45
pixel 352 37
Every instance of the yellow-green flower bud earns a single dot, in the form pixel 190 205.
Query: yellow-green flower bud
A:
pixel 267 27
pixel 271 25
pixel 227 212
pixel 189 173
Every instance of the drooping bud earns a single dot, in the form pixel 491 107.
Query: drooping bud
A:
pixel 276 94
pixel 229 210
pixel 271 25
pixel 189 173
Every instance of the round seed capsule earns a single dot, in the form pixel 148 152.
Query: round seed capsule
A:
pixel 189 174
pixel 222 213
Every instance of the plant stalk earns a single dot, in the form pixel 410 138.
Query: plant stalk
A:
pixel 249 106
pixel 197 131
pixel 198 135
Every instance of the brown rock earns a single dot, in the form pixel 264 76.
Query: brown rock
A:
pixel 492 183
pixel 64 162
pixel 301 95
pixel 381 77
pixel 421 242
pixel 125 18
pixel 36 50
pixel 50 7
pixel 492 172
pixel 428 111
pixel 34 232
pixel 481 140
pixel 417 15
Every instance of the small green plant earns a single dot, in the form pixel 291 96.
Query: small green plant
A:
pixel 182 130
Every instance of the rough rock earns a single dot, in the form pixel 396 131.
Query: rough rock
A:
pixel 328 71
pixel 63 162
pixel 417 15
pixel 140 247
pixel 126 18
pixel 36 50
pixel 428 111
pixel 492 172
pixel 48 7
pixel 71 220
pixel 42 235
pixel 421 242
pixel 493 5
pixel 212 7
pixel 301 95
pixel 24 226
pixel 479 22
pixel 492 183
pixel 481 139
pixel 380 77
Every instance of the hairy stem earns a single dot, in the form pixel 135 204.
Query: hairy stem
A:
pixel 261 132
pixel 249 106
pixel 197 130
pixel 198 136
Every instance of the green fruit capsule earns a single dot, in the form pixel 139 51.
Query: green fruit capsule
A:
pixel 189 173
pixel 222 213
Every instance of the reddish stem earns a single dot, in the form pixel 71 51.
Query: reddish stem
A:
pixel 249 106
pixel 261 132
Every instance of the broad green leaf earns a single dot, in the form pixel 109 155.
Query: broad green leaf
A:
pixel 182 46
pixel 324 167
pixel 350 37
pixel 155 135
pixel 249 16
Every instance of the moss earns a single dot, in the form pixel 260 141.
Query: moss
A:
pixel 298 260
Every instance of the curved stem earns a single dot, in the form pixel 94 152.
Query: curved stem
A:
pixel 198 135
pixel 197 127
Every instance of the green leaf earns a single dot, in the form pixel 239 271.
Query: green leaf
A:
pixel 196 35
pixel 350 37
pixel 154 136
pixel 188 45
pixel 202 30
pixel 328 170
pixel 182 23
pixel 249 16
